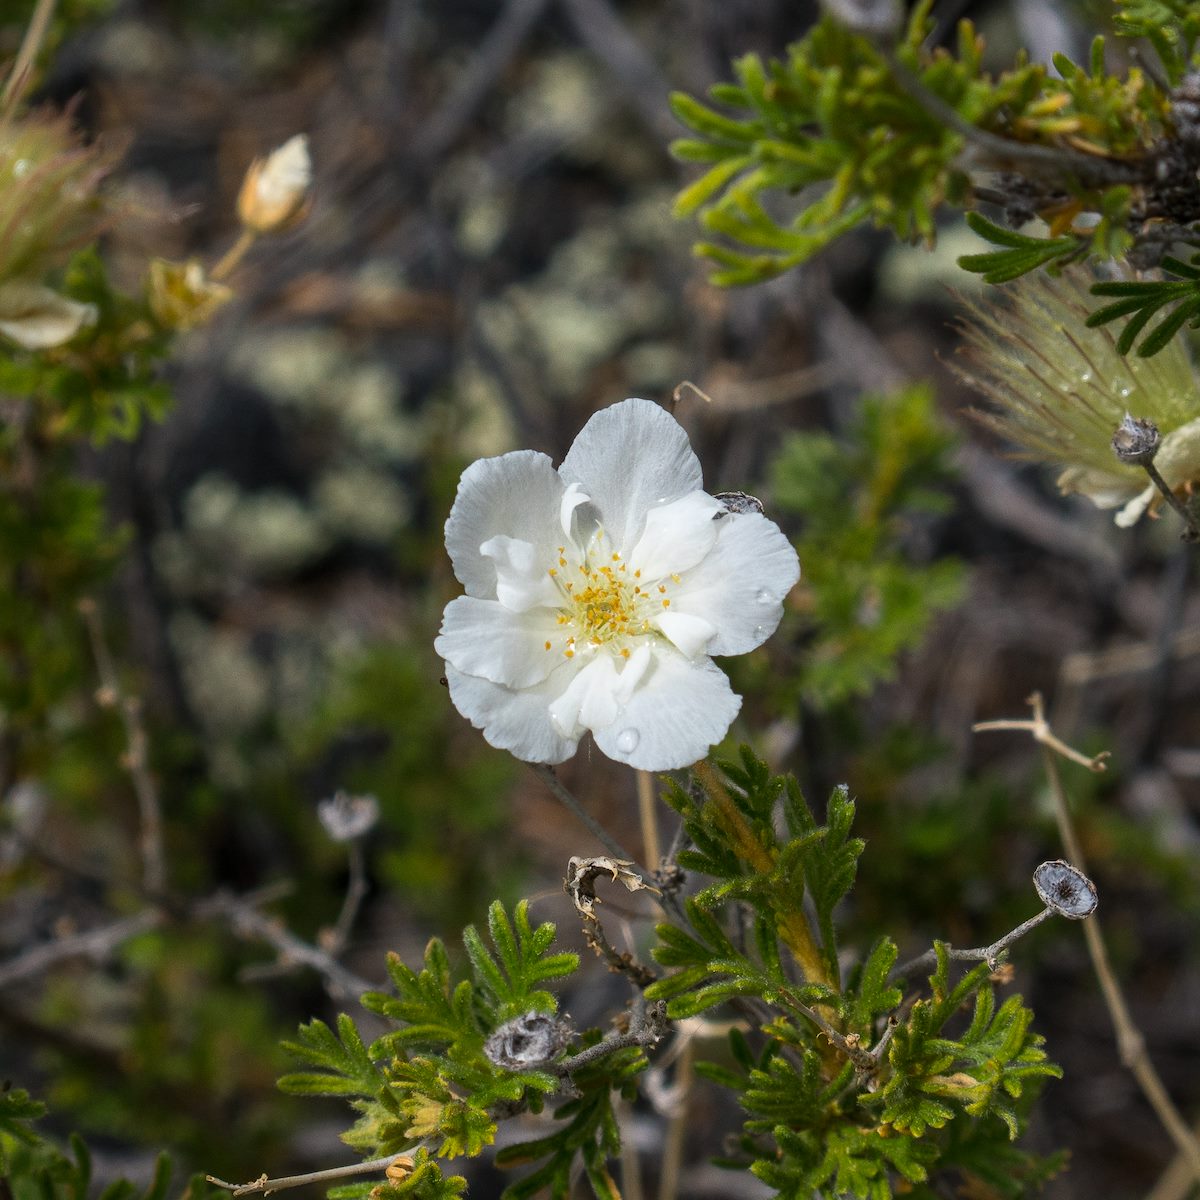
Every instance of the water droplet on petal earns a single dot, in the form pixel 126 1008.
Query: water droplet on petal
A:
pixel 760 631
pixel 764 597
pixel 627 740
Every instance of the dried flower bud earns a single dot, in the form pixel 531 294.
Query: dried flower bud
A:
pixel 400 1168
pixel 580 883
pixel 1136 441
pixel 346 817
pixel 275 192
pixel 527 1042
pixel 1069 892
pixel 181 296
pixel 37 318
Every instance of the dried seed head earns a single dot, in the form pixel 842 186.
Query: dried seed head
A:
pixel 345 817
pixel 528 1041
pixel 1069 892
pixel 1058 390
pixel 1136 441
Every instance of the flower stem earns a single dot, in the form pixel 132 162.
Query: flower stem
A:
pixel 233 255
pixel 794 928
pixel 650 844
pixel 1190 532
pixel 594 827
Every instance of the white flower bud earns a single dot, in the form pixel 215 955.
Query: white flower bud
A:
pixel 275 191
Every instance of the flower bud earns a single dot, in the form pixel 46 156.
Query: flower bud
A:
pixel 181 296
pixel 275 192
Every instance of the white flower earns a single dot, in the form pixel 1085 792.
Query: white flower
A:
pixel 37 318
pixel 596 594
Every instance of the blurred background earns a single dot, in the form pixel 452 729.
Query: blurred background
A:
pixel 490 257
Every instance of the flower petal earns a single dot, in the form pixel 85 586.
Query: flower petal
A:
pixel 589 701
pixel 740 584
pixel 676 536
pixel 484 638
pixel 594 698
pixel 677 713
pixel 516 721
pixel 37 318
pixel 516 494
pixel 689 634
pixel 522 579
pixel 629 458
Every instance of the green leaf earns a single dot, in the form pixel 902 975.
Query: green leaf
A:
pixel 1024 254
pixel 1141 300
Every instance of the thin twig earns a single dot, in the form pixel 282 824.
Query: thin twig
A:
pixel 1056 162
pixel 1131 1045
pixel 631 1164
pixel 1043 733
pixel 597 830
pixel 96 944
pixel 264 1186
pixel 248 922
pixel 989 954
pixel 647 1030
pixel 863 1059
pixel 580 885
pixel 672 1155
pixel 334 941
pixel 150 840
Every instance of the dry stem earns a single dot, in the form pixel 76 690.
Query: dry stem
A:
pixel 150 840
pixel 1131 1045
pixel 650 843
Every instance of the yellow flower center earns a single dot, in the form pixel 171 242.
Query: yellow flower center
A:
pixel 604 603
